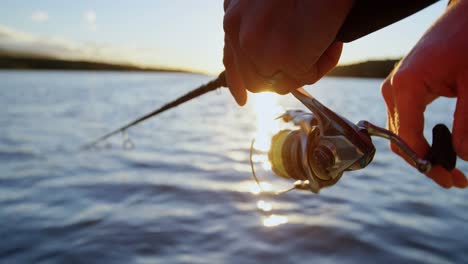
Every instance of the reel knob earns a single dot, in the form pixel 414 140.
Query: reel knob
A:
pixel 322 158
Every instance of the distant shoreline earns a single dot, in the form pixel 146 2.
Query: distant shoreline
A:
pixel 368 69
pixel 14 62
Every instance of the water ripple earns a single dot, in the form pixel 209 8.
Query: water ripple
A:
pixel 185 193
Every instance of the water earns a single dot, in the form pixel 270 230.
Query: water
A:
pixel 184 194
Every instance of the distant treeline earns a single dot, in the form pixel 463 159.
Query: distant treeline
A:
pixel 368 69
pixel 44 63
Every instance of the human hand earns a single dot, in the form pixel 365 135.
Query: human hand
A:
pixel 436 66
pixel 280 45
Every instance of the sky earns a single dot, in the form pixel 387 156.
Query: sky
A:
pixel 184 34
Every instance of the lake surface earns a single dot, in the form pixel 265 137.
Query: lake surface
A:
pixel 185 193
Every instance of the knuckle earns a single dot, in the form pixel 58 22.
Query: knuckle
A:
pixel 227 56
pixel 405 85
pixel 401 79
pixel 387 91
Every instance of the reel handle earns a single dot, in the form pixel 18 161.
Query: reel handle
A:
pixel 442 151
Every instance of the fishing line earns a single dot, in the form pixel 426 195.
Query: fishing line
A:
pixel 254 175
pixel 297 185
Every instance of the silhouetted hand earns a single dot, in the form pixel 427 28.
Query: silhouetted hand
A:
pixel 280 45
pixel 436 66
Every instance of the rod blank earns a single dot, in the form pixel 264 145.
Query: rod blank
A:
pixel 219 82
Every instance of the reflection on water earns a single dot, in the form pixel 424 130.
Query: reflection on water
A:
pixel 267 110
pixel 274 220
pixel 264 206
pixel 254 188
pixel 262 159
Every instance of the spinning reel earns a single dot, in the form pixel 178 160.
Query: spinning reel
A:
pixel 325 145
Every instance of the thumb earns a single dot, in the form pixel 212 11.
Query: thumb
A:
pixel 460 123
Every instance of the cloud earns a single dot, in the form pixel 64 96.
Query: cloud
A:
pixel 39 16
pixel 29 43
pixel 89 18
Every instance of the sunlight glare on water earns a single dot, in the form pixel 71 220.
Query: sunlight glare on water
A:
pixel 274 220
pixel 263 159
pixel 255 189
pixel 264 206
pixel 267 109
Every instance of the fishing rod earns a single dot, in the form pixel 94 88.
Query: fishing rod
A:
pixel 213 85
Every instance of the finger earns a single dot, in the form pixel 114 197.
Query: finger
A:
pixel 329 59
pixel 282 83
pixel 441 176
pixel 318 68
pixel 395 114
pixel 459 179
pixel 410 104
pixel 232 18
pixel 387 93
pixel 236 16
pixel 272 43
pixel 389 98
pixel 230 4
pixel 252 80
pixel 460 123
pixel 258 38
pixel 233 80
pixel 226 4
